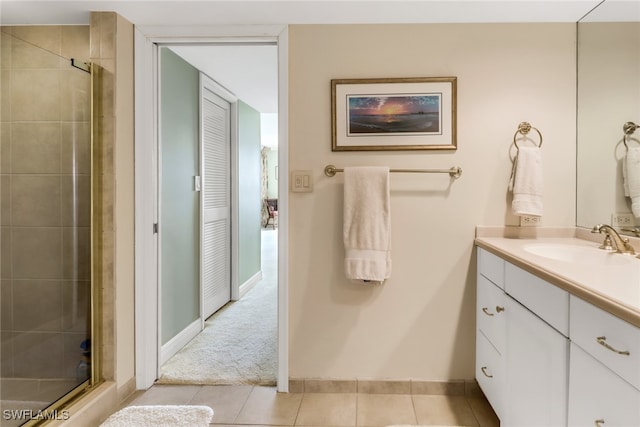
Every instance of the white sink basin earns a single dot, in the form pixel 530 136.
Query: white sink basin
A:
pixel 577 254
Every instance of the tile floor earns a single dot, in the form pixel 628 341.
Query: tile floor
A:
pixel 254 405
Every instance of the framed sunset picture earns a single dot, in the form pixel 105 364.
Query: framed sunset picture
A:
pixel 394 114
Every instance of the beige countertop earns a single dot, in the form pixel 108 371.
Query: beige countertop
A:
pixel 612 282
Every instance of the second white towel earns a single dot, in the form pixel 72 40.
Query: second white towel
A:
pixel 631 177
pixel 367 224
pixel 526 182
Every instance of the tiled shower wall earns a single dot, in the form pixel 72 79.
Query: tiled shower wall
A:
pixel 45 196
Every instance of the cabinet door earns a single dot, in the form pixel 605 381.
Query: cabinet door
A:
pixel 598 394
pixel 536 364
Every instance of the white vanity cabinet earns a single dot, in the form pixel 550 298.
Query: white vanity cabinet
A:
pixel 604 385
pixel 536 370
pixel 521 359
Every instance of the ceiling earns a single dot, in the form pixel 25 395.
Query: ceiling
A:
pixel 269 12
pixel 250 72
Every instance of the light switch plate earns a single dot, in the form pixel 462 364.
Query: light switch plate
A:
pixel 302 181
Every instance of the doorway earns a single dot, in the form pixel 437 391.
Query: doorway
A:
pixel 145 312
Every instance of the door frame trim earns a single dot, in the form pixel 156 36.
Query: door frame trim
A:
pixel 147 355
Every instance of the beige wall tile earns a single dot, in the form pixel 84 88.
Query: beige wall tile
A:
pixel 330 386
pixel 50 390
pixel 35 95
pixel 5 49
pixel 5 94
pixel 37 305
pixel 35 147
pixel 35 200
pixel 451 388
pixel 6 305
pixel 18 389
pixel 384 386
pixel 31 55
pixel 72 354
pixel 296 386
pixel 5 200
pixel 6 269
pixel 47 37
pixel 76 253
pixel 75 140
pixel 74 42
pixel 38 355
pixel 39 247
pixel 6 353
pixel 472 389
pixel 75 95
pixel 76 200
pixel 76 304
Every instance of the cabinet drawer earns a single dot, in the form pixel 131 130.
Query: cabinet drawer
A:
pixel 489 372
pixel 491 267
pixel 596 393
pixel 547 301
pixel 603 336
pixel 490 316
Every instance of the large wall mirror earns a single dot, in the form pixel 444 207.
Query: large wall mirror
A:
pixel 608 97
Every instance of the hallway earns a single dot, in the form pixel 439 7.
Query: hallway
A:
pixel 239 342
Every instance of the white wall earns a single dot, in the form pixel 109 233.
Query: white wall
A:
pixel 420 324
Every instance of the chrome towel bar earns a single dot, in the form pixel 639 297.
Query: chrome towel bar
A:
pixel 454 171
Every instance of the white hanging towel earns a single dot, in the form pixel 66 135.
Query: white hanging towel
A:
pixel 631 178
pixel 526 182
pixel 367 224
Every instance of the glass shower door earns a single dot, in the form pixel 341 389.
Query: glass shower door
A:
pixel 45 169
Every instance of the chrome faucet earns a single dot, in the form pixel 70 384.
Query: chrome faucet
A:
pixel 622 246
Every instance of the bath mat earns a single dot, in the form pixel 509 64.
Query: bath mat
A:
pixel 161 416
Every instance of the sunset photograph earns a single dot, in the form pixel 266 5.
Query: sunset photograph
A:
pixel 401 114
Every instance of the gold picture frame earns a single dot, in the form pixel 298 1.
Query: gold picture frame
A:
pixel 393 114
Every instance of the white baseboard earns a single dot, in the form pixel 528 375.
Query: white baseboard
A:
pixel 176 343
pixel 249 284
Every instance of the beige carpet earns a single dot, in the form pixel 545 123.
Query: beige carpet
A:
pixel 239 342
pixel 161 416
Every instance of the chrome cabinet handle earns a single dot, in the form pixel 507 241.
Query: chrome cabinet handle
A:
pixel 486 311
pixel 499 309
pixel 599 423
pixel 603 342
pixel 484 371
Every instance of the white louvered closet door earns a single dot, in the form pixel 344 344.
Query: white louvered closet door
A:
pixel 216 200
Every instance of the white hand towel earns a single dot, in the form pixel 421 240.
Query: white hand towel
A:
pixel 367 224
pixel 526 182
pixel 632 178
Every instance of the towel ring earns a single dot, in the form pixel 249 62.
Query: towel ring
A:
pixel 628 128
pixel 524 128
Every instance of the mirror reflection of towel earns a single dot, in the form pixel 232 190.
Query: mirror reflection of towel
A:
pixel 631 178
pixel 367 224
pixel 526 182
